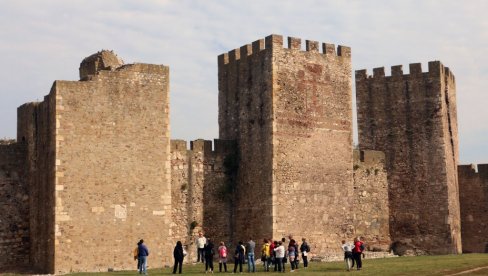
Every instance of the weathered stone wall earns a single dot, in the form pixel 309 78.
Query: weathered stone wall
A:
pixel 112 169
pixel 371 210
pixel 36 127
pixel 290 111
pixel 200 198
pixel 245 115
pixel 14 210
pixel 473 197
pixel 412 119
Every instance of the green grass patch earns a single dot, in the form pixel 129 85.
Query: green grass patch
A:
pixel 421 265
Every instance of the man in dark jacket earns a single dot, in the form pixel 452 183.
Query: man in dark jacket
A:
pixel 239 256
pixel 209 255
pixel 305 249
pixel 178 255
pixel 143 252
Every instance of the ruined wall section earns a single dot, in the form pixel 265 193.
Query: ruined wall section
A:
pixel 245 115
pixel 14 210
pixel 312 142
pixel 411 118
pixel 473 197
pixel 36 126
pixel 113 169
pixel 201 195
pixel 371 209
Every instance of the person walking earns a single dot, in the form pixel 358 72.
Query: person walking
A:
pixel 222 256
pixel 239 254
pixel 178 256
pixel 142 254
pixel 209 255
pixel 265 255
pixel 251 265
pixel 348 259
pixel 356 253
pixel 304 249
pixel 280 254
pixel 200 241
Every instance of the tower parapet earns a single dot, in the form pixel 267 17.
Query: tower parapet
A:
pixel 412 119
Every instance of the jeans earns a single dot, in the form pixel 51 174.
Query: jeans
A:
pixel 279 263
pixel 305 260
pixel 209 263
pixel 200 254
pixel 292 262
pixel 251 263
pixel 238 261
pixel 357 259
pixel 143 267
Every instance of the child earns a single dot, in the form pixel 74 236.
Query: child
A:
pixel 347 248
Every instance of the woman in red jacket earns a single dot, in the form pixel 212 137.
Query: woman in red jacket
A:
pixel 357 251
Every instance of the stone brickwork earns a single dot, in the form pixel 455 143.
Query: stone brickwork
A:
pixel 473 197
pixel 412 118
pixel 371 209
pixel 200 198
pixel 14 210
pixel 290 112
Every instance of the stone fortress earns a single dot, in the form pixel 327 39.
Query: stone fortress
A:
pixel 93 168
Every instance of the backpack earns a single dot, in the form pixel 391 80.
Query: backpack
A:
pixel 223 252
pixel 362 247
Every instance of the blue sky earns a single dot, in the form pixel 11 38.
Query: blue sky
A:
pixel 43 41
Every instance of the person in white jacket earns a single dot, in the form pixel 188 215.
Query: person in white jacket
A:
pixel 280 254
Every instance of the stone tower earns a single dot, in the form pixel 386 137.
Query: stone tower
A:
pixel 98 159
pixel 412 119
pixel 290 112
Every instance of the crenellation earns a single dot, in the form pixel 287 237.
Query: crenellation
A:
pixel 223 59
pixel 397 71
pixel 179 145
pixel 234 55
pixel 246 50
pixel 274 42
pixel 294 43
pixel 379 72
pixel 258 46
pixel 415 69
pixel 344 51
pixel 312 46
pixel 328 49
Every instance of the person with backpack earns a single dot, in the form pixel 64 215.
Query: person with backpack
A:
pixel 305 249
pixel 239 254
pixel 209 255
pixel 179 255
pixel 222 256
pixel 357 252
pixel 265 255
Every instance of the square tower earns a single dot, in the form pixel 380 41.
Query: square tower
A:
pixel 290 112
pixel 412 119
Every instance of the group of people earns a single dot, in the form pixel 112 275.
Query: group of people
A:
pixel 273 253
pixel 140 254
pixel 352 254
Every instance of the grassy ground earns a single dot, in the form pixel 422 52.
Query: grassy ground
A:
pixel 423 265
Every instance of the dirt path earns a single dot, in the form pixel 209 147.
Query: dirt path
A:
pixel 469 271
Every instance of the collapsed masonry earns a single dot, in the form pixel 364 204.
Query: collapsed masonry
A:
pixel 93 167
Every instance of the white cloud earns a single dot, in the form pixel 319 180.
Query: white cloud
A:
pixel 45 40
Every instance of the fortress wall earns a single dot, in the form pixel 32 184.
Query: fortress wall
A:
pixel 113 169
pixel 312 143
pixel 371 210
pixel 245 114
pixel 200 192
pixel 411 118
pixel 36 124
pixel 14 210
pixel 473 197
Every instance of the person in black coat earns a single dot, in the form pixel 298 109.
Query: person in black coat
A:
pixel 178 255
pixel 209 255
pixel 239 256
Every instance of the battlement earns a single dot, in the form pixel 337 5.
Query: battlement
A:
pixel 276 42
pixel 473 170
pixel 435 69
pixel 220 146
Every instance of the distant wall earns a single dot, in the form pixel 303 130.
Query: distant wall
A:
pixel 200 193
pixel 371 207
pixel 473 197
pixel 412 119
pixel 14 210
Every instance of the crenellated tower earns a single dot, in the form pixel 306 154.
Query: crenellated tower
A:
pixel 290 112
pixel 412 119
